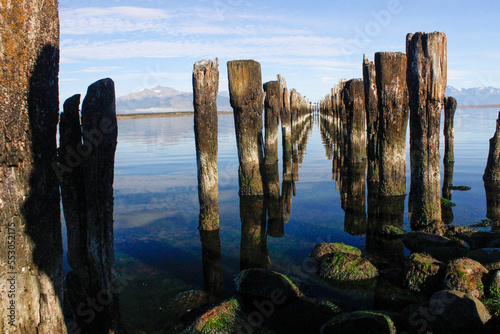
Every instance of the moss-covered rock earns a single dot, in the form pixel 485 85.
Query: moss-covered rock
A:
pixel 360 322
pixel 266 284
pixel 346 267
pixel 227 317
pixel 322 250
pixel 390 232
pixel 465 275
pixel 488 257
pixel 424 273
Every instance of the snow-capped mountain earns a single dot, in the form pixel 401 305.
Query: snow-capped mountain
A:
pixel 475 96
pixel 163 99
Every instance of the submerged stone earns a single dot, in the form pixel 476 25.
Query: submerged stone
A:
pixel 421 241
pixel 267 284
pixel 360 322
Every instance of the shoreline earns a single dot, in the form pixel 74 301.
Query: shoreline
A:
pixel 164 114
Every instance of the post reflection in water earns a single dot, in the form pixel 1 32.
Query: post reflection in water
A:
pixel 446 210
pixel 493 204
pixel 212 262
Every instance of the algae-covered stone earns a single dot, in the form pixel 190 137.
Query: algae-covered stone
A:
pixel 480 240
pixel 390 232
pixel 324 249
pixel 347 267
pixel 424 273
pixel 360 322
pixel 267 284
pixel 465 275
pixel 227 317
pixel 488 257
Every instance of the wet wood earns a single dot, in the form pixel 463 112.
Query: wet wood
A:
pixel 372 125
pixel 492 171
pixel 426 78
pixel 272 116
pixel 205 89
pixel 247 100
pixel 87 196
pixel 450 105
pixel 30 221
pixel 392 95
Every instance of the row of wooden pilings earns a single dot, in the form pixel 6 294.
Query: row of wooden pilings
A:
pixel 371 115
pixel 257 150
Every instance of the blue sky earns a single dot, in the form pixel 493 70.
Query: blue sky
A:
pixel 145 43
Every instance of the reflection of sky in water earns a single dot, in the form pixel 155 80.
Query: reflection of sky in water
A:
pixel 156 202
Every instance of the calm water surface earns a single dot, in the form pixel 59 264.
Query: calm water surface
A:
pixel 156 210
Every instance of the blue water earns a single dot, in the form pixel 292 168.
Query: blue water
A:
pixel 156 204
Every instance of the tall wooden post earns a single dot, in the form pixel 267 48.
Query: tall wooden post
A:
pixel 426 78
pixel 247 100
pixel 205 89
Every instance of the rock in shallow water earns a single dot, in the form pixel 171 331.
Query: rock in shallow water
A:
pixel 465 275
pixel 360 322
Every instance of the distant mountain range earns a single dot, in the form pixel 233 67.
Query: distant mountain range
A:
pixel 475 96
pixel 166 99
pixel 163 99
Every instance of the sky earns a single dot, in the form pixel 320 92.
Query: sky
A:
pixel 142 44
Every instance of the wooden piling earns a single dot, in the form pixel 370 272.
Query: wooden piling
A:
pixel 247 100
pixel 354 102
pixel 492 170
pixel 30 217
pixel 450 105
pixel 392 95
pixel 426 79
pixel 205 89
pixel 372 125
pixel 272 115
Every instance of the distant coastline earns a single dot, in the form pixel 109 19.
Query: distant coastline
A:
pixel 480 106
pixel 164 114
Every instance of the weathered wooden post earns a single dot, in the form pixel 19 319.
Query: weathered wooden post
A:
pixel 286 132
pixel 392 95
pixel 272 104
pixel 491 178
pixel 354 102
pixel 426 79
pixel 492 170
pixel 205 89
pixel 247 100
pixel 87 195
pixel 272 115
pixel 294 109
pixel 372 125
pixel 450 105
pixel 30 223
